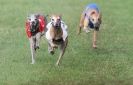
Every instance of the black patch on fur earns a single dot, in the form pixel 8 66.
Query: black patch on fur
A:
pixel 58 41
pixel 35 29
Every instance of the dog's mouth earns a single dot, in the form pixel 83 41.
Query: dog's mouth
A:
pixel 57 25
pixel 34 26
pixel 94 24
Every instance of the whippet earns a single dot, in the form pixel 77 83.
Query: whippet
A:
pixel 35 28
pixel 57 36
pixel 91 19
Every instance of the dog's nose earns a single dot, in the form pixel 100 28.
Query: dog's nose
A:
pixel 97 25
pixel 33 22
pixel 56 24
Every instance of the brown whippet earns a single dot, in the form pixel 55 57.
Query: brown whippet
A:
pixel 57 36
pixel 91 19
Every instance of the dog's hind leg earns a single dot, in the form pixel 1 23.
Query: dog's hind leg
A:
pixel 32 44
pixel 62 51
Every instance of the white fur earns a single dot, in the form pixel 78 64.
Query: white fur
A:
pixel 64 28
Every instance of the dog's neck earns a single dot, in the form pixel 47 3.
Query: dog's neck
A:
pixel 56 33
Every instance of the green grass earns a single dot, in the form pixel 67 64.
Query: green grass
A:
pixel 110 64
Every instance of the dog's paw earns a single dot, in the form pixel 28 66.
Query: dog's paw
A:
pixel 94 46
pixel 37 47
pixel 78 33
pixel 51 52
pixel 87 31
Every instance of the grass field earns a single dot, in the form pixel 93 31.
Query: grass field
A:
pixel 110 64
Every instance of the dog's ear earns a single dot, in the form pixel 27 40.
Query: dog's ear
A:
pixel 37 15
pixel 50 16
pixel 100 17
pixel 28 18
pixel 60 16
pixel 93 12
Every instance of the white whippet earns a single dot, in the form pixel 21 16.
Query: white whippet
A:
pixel 35 28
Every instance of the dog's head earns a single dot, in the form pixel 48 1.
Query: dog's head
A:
pixel 56 21
pixel 34 22
pixel 95 19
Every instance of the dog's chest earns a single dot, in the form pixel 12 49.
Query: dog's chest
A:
pixel 56 33
pixel 58 41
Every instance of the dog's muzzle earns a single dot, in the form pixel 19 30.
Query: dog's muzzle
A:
pixel 96 25
pixel 57 25
pixel 34 27
pixel 93 25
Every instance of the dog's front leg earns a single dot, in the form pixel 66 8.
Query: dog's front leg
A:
pixel 50 49
pixel 62 50
pixel 94 39
pixel 32 44
pixel 85 28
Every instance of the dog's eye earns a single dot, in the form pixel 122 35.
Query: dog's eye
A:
pixel 98 19
pixel 35 19
pixel 52 19
pixel 58 19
